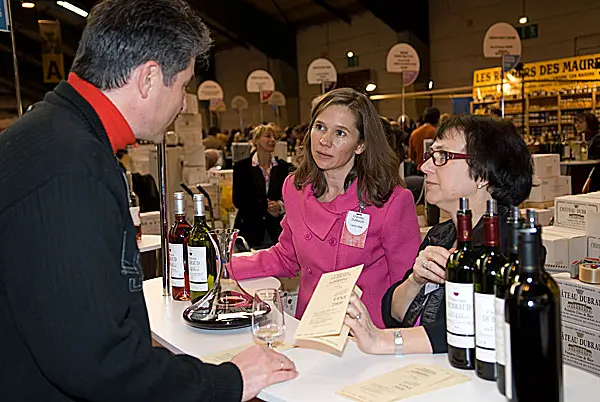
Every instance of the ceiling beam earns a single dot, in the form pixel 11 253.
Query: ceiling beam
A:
pixel 336 12
pixel 269 35
pixel 401 16
pixel 281 12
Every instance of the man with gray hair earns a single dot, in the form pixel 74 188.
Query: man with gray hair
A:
pixel 74 325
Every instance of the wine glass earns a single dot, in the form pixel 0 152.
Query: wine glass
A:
pixel 267 316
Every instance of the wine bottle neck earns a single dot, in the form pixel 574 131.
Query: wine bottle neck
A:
pixel 180 218
pixel 491 230
pixel 464 227
pixel 199 220
pixel 529 252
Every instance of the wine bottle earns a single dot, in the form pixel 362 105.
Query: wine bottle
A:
pixel 460 321
pixel 484 280
pixel 502 280
pixel 134 207
pixel 178 239
pixel 534 326
pixel 201 260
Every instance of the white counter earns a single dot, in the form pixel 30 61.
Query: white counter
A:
pixel 322 374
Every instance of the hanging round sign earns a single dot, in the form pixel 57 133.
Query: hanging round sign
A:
pixel 239 103
pixel 210 90
pixel 260 80
pixel 277 99
pixel 320 71
pixel 501 38
pixel 403 58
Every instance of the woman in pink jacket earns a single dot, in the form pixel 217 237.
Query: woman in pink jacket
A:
pixel 348 173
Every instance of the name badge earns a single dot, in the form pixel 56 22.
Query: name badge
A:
pixel 355 229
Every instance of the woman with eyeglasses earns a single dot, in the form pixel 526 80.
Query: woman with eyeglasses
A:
pixel 472 156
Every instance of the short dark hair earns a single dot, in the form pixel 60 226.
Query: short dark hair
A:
pixel 121 35
pixel 377 167
pixel 498 155
pixel 431 116
pixel 591 121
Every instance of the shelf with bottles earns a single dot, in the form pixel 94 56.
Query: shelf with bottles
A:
pixel 576 103
pixel 569 130
pixel 537 118
pixel 517 119
pixel 514 108
pixel 568 117
pixel 485 107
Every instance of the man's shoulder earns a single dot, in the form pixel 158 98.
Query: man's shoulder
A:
pixel 46 143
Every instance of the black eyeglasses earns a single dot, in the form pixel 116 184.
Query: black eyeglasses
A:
pixel 440 158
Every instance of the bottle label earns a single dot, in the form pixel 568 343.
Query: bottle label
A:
pixel 508 365
pixel 460 323
pixel 135 216
pixel 197 268
pixel 176 264
pixel 485 335
pixel 500 351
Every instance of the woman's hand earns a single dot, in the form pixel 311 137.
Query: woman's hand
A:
pixel 369 338
pixel 430 265
pixel 274 208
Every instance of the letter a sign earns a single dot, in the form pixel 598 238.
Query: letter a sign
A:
pixel 54 67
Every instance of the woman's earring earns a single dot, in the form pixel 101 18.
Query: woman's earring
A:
pixel 479 186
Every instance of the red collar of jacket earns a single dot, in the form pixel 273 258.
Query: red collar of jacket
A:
pixel 117 129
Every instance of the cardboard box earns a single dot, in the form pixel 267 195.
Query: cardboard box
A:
pixel 572 211
pixel 543 190
pixel 581 347
pixel 579 302
pixel 593 249
pixel 192 175
pixel 546 165
pixel 544 216
pixel 557 253
pixel 564 186
pixel 563 246
pixel 150 222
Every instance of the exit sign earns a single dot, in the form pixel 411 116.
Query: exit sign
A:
pixel 352 61
pixel 528 31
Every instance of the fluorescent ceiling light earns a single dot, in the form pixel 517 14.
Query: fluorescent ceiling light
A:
pixel 370 87
pixel 523 20
pixel 28 4
pixel 71 7
pixel 350 54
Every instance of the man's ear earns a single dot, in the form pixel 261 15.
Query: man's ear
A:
pixel 146 77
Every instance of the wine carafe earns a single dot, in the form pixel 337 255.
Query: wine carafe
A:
pixel 226 305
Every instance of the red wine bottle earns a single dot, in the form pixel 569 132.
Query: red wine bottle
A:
pixel 504 278
pixel 534 327
pixel 486 269
pixel 460 321
pixel 178 240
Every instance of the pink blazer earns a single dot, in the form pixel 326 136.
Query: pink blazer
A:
pixel 310 244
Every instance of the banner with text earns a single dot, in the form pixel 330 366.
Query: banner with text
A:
pixel 549 76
